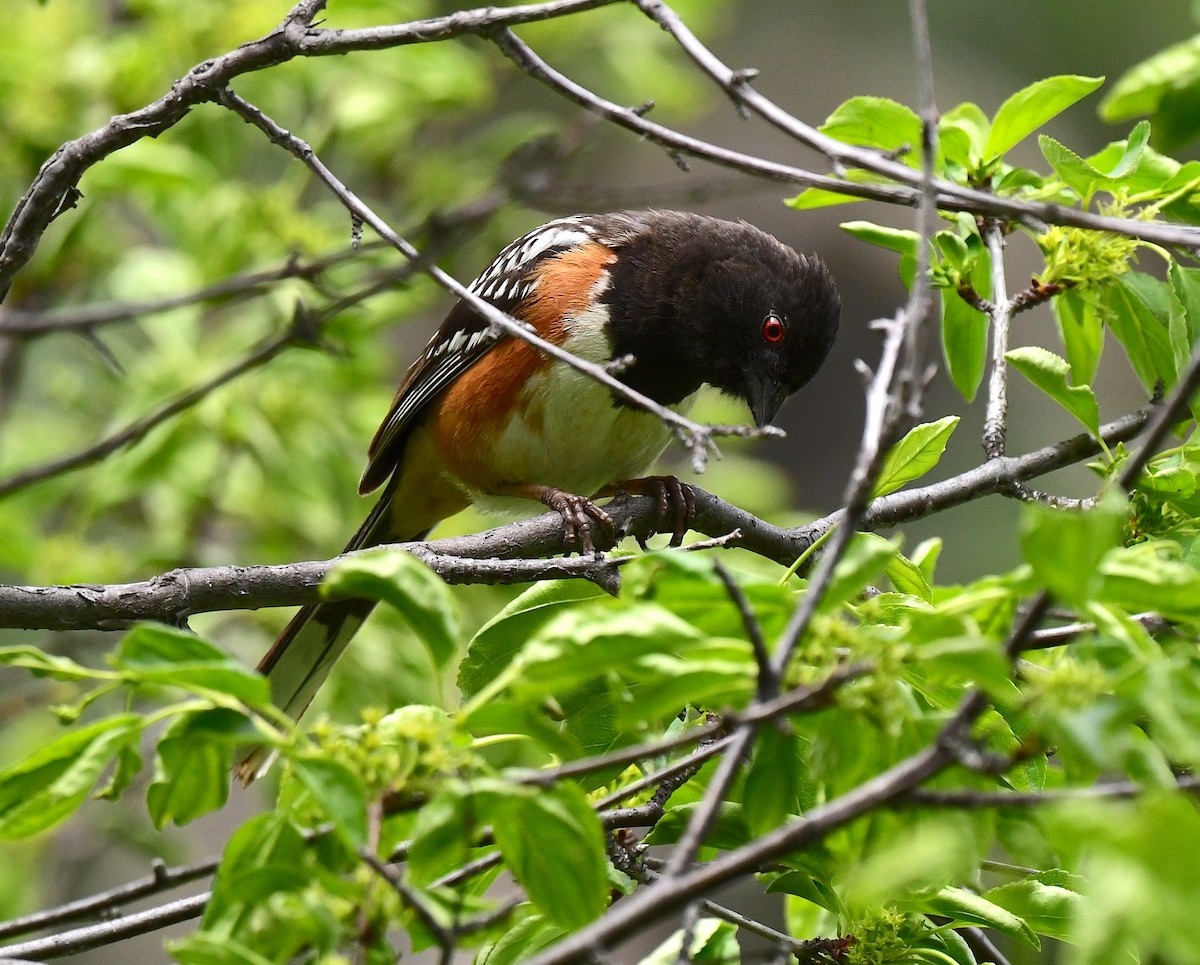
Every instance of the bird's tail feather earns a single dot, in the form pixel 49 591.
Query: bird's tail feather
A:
pixel 304 653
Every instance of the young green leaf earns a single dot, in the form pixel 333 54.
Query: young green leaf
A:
pixel 442 835
pixel 1135 309
pixel 863 560
pixel 879 123
pixel 501 638
pixel 1050 374
pixel 963 132
pixel 1048 901
pixel 914 455
pixel 772 781
pixel 413 589
pixel 1137 578
pixel 901 240
pixel 906 577
pixel 964 343
pixel 1141 89
pixel 49 665
pixel 1084 177
pixel 1082 333
pixel 339 793
pixel 553 844
pixel 161 656
pixel 263 858
pixel 966 907
pixel 192 765
pixel 713 942
pixel 585 641
pixel 46 787
pixel 1065 546
pixel 519 942
pixel 1031 107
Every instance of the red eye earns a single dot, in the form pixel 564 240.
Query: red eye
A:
pixel 772 329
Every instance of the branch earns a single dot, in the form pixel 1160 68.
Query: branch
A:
pixel 506 554
pixel 106 933
pixel 31 325
pixel 982 800
pixel 1001 311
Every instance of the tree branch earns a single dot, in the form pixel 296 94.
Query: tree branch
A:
pixel 507 554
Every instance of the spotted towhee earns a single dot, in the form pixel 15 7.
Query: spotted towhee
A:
pixel 485 418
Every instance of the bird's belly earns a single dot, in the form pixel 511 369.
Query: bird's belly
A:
pixel 569 433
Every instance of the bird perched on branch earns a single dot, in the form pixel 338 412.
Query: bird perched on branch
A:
pixel 483 417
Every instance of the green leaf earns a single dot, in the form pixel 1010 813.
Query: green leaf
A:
pixel 812 198
pixel 1082 333
pixel 1065 546
pixel 907 578
pixel 863 560
pixel 1141 89
pixel 1140 324
pixel 161 656
pixel 1083 176
pixel 901 240
pixel 1031 107
pixel 42 664
pixel 772 781
pixel 520 942
pixel 441 837
pixel 1048 902
pixel 963 134
pixel 914 455
pixel 206 949
pixel 411 588
pixel 192 765
pixel 1050 374
pixel 339 793
pixel 263 858
pixel 879 123
pixel 46 787
pixel 500 639
pixel 969 908
pixel 586 641
pixel 964 343
pixel 553 844
pixel 728 831
pixel 1138 579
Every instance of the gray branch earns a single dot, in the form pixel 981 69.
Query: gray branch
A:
pixel 505 555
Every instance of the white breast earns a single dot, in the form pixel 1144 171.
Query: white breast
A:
pixel 571 434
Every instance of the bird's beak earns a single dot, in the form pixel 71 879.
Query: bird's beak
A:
pixel 765 396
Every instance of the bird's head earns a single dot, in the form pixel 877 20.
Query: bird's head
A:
pixel 722 303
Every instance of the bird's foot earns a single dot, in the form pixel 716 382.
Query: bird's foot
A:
pixel 676 503
pixel 582 521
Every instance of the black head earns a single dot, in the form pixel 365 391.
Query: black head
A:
pixel 698 300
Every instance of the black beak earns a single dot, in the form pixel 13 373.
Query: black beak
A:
pixel 765 396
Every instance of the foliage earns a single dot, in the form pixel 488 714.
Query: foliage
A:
pixel 508 748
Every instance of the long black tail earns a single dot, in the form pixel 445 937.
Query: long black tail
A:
pixel 303 655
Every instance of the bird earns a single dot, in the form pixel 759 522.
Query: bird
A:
pixel 670 300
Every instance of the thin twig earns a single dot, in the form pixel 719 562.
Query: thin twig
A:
pixel 768 679
pixel 107 903
pixel 94 936
pixel 995 422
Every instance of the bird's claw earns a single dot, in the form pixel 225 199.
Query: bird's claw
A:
pixel 581 519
